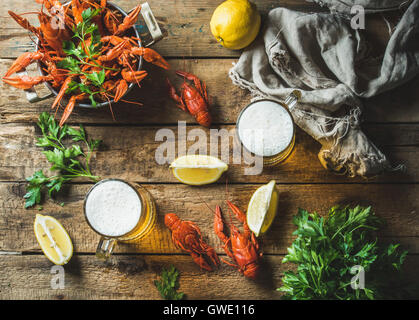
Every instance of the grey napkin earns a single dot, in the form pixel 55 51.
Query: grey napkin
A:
pixel 320 55
pixel 370 6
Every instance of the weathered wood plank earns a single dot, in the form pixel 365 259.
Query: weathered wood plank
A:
pixel 131 152
pixel 227 100
pixel 185 24
pixel 131 277
pixel 397 204
pixel 398 105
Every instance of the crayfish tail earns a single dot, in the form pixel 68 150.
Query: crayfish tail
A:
pixel 200 261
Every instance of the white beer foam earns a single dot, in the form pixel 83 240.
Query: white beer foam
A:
pixel 113 208
pixel 266 128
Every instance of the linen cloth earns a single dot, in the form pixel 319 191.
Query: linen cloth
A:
pixel 320 55
pixel 370 6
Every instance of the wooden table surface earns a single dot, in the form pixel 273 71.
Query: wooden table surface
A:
pixel 392 122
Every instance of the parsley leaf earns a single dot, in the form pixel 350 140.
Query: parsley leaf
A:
pixel 327 249
pixel 169 284
pixel 97 78
pixel 71 64
pixel 69 161
pixel 33 189
pixel 90 13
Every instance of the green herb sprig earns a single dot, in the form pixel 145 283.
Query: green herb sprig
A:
pixel 326 250
pixel 80 53
pixel 169 284
pixel 69 161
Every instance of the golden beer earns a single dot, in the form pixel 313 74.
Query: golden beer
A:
pixel 266 128
pixel 119 211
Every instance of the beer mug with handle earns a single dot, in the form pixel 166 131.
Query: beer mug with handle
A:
pixel 118 210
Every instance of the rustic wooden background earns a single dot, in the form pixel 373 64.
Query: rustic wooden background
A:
pixel 391 120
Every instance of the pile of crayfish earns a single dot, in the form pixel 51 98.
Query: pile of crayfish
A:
pixel 242 247
pixel 86 52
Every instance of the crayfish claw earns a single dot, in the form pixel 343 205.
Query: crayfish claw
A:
pixel 129 20
pixel 121 89
pixel 175 96
pixel 151 56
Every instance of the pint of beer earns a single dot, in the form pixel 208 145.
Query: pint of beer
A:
pixel 118 211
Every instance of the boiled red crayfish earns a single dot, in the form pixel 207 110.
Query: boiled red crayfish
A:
pixel 187 236
pixel 194 99
pixel 242 248
pixel 117 55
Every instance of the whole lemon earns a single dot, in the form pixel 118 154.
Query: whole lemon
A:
pixel 235 23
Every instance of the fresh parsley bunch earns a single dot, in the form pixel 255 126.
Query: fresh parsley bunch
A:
pixel 83 50
pixel 68 161
pixel 169 284
pixel 327 249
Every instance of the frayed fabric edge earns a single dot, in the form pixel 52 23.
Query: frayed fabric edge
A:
pixel 345 166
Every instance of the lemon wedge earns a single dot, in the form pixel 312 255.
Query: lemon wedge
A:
pixel 198 169
pixel 262 208
pixel 53 239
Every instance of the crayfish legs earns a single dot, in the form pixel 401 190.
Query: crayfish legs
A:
pixel 126 46
pixel 187 236
pixel 193 99
pixel 24 23
pixel 133 76
pixel 242 248
pixel 53 36
pixel 58 11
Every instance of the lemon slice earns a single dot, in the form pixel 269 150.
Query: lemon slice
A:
pixel 198 169
pixel 53 239
pixel 262 208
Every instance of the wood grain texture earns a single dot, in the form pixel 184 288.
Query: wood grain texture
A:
pixel 227 100
pixel 185 24
pixel 131 277
pixel 397 204
pixel 130 153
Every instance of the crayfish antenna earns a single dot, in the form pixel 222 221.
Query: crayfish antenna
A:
pixel 110 107
pixel 203 201
pixel 132 102
pixel 227 197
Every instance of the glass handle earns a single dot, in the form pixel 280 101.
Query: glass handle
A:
pixel 105 248
pixel 292 99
